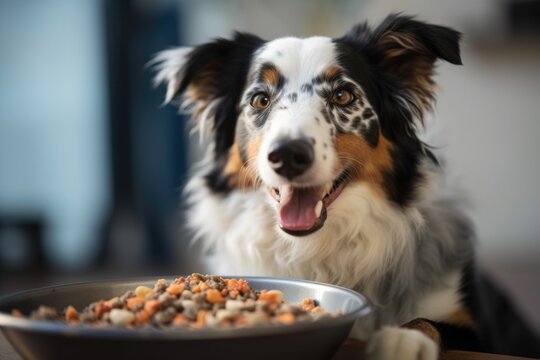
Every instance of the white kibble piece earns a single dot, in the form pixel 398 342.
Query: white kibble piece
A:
pixel 186 294
pixel 189 305
pixel 223 314
pixel 257 317
pixel 234 305
pixel 119 317
pixel 211 320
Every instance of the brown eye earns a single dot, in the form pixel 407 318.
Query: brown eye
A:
pixel 342 97
pixel 260 101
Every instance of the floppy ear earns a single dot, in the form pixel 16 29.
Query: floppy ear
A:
pixel 209 80
pixel 408 49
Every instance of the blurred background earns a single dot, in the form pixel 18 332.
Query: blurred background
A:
pixel 92 166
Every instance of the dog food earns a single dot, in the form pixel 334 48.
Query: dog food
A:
pixel 196 301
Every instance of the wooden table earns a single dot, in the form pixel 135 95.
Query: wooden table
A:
pixel 349 351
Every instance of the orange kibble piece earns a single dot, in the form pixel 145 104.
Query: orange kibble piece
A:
pixel 101 308
pixel 109 303
pixel 151 306
pixel 180 320
pixel 135 303
pixel 241 320
pixel 308 304
pixel 200 287
pixel 286 318
pixel 201 319
pixel 232 284
pixel 17 313
pixel 214 296
pixel 71 314
pixel 272 296
pixel 238 285
pixel 142 317
pixel 244 286
pixel 175 289
pixel 224 292
pixel 233 294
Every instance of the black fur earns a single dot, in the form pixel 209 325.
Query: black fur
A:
pixel 499 326
pixel 361 53
pixel 224 65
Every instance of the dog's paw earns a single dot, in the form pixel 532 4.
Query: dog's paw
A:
pixel 399 343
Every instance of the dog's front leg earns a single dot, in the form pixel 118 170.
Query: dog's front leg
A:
pixel 416 340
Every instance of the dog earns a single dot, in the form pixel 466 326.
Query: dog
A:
pixel 315 170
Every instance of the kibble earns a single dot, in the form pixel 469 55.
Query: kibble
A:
pixel 196 301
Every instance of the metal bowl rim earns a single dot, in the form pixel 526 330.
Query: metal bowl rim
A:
pixel 7 321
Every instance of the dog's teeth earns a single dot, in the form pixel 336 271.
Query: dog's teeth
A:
pixel 318 208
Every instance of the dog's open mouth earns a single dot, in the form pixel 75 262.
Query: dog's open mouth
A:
pixel 302 211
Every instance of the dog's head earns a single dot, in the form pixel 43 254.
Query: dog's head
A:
pixel 303 118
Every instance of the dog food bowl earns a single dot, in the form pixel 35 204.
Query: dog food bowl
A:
pixel 39 340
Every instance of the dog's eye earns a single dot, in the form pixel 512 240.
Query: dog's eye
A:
pixel 260 101
pixel 342 97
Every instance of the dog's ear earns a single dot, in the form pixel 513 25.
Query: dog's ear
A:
pixel 208 79
pixel 408 49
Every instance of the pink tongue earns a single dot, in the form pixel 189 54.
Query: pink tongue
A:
pixel 298 208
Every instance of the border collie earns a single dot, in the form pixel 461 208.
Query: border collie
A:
pixel 315 170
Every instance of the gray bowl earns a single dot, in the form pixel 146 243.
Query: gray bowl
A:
pixel 38 340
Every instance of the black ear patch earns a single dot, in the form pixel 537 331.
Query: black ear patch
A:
pixel 218 71
pixel 210 81
pixel 401 35
pixel 408 50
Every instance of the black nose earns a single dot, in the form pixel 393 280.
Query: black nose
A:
pixel 291 158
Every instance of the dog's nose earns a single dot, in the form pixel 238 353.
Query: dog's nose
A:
pixel 291 158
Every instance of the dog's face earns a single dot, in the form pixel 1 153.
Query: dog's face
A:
pixel 304 118
pixel 301 114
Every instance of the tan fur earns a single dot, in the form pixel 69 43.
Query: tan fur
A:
pixel 426 328
pixel 242 175
pixel 415 71
pixel 331 72
pixel 461 318
pixel 270 75
pixel 366 163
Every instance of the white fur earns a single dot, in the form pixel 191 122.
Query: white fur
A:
pixel 442 302
pixel 364 238
pixel 169 65
pixel 400 343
